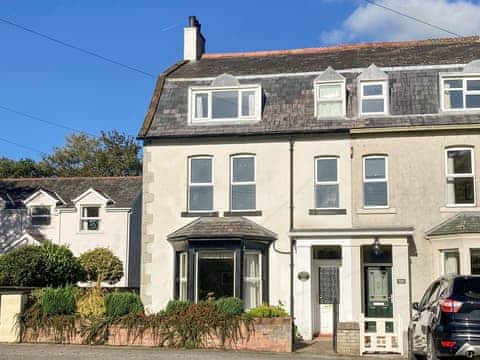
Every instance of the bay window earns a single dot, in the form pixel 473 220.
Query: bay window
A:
pixel 200 184
pixel 460 93
pixel 460 177
pixel 183 276
pixel 375 181
pixel 451 262
pixel 252 279
pixel 225 103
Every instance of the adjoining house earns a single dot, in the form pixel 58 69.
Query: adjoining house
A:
pixel 82 213
pixel 316 178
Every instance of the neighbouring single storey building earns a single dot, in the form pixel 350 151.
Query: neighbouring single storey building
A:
pixel 82 213
pixel 338 180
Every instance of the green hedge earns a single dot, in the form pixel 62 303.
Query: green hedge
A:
pixel 176 306
pixel 230 305
pixel 59 301
pixel 267 311
pixel 123 303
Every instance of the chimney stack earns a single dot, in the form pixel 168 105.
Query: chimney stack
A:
pixel 193 40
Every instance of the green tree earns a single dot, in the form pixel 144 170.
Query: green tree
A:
pixel 101 265
pixel 21 168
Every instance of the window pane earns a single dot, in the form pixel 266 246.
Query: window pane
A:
pixel 473 101
pixel 375 194
pixel 40 210
pixel 375 168
pixel 373 106
pixel 201 105
pixel 475 261
pixel 90 212
pixel 326 170
pixel 41 221
pixel 91 225
pixel 451 262
pixel 330 109
pixel 460 190
pixel 248 103
pixel 252 266
pixel 326 196
pixel 243 197
pixel 243 169
pixel 453 99
pixel 453 84
pixel 372 90
pixel 253 281
pixel 225 104
pixel 201 198
pixel 473 85
pixel 201 171
pixel 329 91
pixel 459 162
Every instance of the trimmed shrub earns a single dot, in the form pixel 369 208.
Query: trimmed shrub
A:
pixel 59 301
pixel 40 266
pixel 230 305
pixel 122 303
pixel 101 264
pixel 176 306
pixel 92 303
pixel 267 311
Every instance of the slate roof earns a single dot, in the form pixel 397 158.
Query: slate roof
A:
pixel 222 228
pixel 122 190
pixel 462 223
pixel 288 101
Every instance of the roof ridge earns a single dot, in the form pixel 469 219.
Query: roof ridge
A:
pixel 71 178
pixel 342 47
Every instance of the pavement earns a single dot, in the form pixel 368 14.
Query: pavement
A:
pixel 85 352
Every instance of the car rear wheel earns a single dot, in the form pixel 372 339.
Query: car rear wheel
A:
pixel 431 350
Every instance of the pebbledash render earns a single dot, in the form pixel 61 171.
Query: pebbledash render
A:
pixel 329 180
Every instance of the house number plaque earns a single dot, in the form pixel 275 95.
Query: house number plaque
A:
pixel 303 276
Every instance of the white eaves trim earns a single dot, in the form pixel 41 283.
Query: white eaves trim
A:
pixel 92 191
pixel 38 193
pixel 351 233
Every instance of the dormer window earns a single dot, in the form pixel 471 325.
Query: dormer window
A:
pixel 330 95
pixel 40 215
pixel 373 91
pixel 90 218
pixel 460 93
pixel 225 104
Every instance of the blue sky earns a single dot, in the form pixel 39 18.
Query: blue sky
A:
pixel 62 85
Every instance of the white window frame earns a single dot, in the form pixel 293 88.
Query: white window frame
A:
pixel 98 218
pixel 253 279
pixel 318 85
pixel 183 278
pixel 464 79
pixel 190 183
pixel 385 97
pixel 385 179
pixel 40 216
pixel 233 183
pixel 192 91
pixel 460 175
pixel 326 182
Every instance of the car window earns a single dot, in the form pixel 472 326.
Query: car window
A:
pixel 467 288
pixel 443 290
pixel 434 294
pixel 425 297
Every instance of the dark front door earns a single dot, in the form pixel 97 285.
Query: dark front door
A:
pixel 378 291
pixel 215 275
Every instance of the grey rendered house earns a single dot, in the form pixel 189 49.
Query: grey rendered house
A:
pixel 313 177
pixel 81 212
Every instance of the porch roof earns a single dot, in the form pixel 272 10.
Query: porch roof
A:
pixel 222 228
pixel 461 223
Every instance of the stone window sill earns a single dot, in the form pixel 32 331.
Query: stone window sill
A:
pixel 366 211
pixel 327 211
pixel 242 213
pixel 454 209
pixel 199 214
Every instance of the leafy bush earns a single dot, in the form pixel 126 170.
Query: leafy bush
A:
pixel 230 305
pixel 267 311
pixel 40 266
pixel 59 301
pixel 122 303
pixel 176 306
pixel 92 303
pixel 101 264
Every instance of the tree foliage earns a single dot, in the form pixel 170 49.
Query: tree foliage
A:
pixel 40 266
pixel 100 265
pixel 110 154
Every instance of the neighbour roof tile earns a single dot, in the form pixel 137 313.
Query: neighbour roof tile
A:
pixel 462 223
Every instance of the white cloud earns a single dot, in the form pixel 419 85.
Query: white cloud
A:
pixel 372 23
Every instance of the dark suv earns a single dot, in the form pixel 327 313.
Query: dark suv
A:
pixel 446 322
